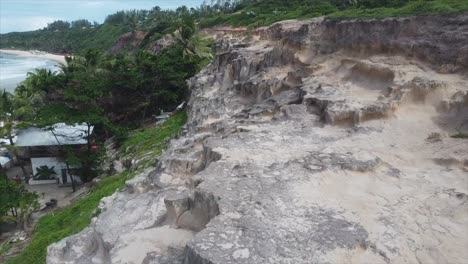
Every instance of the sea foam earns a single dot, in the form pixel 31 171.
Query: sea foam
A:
pixel 14 69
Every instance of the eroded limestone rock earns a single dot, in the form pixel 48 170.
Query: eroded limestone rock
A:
pixel 307 143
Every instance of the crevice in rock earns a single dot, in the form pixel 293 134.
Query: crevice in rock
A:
pixel 365 75
pixel 94 247
pixel 183 162
pixel 192 257
pixel 454 114
pixel 451 162
pixel 191 210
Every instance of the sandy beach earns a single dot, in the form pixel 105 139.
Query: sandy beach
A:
pixel 24 53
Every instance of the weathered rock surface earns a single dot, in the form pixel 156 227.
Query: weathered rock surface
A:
pixel 128 41
pixel 308 142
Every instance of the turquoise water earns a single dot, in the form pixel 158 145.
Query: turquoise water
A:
pixel 14 69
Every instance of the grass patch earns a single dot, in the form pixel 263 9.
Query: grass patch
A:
pixel 74 218
pixel 267 12
pixel 264 13
pixel 5 248
pixel 146 144
pixel 420 7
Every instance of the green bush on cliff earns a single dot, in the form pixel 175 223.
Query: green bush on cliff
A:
pixel 144 145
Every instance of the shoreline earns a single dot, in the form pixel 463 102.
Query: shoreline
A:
pixel 28 54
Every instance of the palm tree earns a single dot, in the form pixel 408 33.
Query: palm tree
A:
pixel 188 36
pixel 7 116
pixel 27 102
pixel 40 79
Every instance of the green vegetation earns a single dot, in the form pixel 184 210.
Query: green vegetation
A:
pixel 143 141
pixel 54 227
pixel 267 12
pixel 418 7
pixel 109 93
pixel 81 35
pixel 262 13
pixel 144 145
pixel 10 111
pixel 6 248
pixel 16 203
pixel 71 220
pixel 44 173
pixel 70 40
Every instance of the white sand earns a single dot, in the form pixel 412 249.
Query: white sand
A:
pixel 29 54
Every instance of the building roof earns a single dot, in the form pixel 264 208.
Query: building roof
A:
pixel 64 135
pixel 6 141
pixel 4 160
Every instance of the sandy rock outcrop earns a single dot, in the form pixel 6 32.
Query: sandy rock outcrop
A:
pixel 132 41
pixel 161 44
pixel 308 142
pixel 128 41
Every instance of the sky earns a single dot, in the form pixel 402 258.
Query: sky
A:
pixel 26 15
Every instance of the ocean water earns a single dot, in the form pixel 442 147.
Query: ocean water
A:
pixel 14 69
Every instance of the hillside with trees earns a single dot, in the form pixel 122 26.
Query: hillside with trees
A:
pixel 113 94
pixel 78 36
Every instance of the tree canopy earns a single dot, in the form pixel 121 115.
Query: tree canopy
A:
pixel 16 203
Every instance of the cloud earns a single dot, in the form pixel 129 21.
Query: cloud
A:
pixel 94 3
pixel 20 23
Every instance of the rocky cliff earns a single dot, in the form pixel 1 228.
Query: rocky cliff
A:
pixel 308 142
